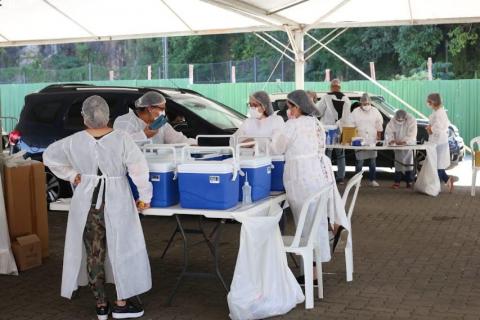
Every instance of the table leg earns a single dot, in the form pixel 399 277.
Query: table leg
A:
pixel 216 242
pixel 185 260
pixel 213 248
pixel 170 242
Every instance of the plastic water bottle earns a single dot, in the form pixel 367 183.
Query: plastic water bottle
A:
pixel 246 192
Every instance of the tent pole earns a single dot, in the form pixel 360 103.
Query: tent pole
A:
pixel 375 82
pixel 298 37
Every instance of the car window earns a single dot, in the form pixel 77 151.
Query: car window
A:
pixel 118 106
pixel 216 114
pixel 44 111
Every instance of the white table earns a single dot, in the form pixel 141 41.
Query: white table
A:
pixel 428 161
pixel 221 216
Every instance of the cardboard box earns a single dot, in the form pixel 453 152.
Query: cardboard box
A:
pixel 27 251
pixel 26 204
pixel 477 158
pixel 347 134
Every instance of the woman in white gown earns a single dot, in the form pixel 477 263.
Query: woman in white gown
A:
pixel 438 134
pixel 307 168
pixel 262 121
pixel 104 240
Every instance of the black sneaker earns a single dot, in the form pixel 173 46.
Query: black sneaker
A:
pixel 128 311
pixel 103 312
pixel 301 281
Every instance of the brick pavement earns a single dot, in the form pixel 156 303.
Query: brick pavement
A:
pixel 416 257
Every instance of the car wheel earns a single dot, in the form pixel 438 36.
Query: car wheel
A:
pixel 53 187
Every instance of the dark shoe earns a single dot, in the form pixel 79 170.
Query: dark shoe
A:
pixel 103 312
pixel 409 185
pixel 301 281
pixel 341 233
pixel 340 181
pixel 396 185
pixel 128 311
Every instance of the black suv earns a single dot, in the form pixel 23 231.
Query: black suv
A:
pixel 54 113
pixel 386 157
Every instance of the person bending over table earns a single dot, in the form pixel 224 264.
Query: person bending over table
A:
pixel 369 123
pixel 400 131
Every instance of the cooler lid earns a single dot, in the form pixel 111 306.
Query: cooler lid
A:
pixel 160 165
pixel 255 162
pixel 219 167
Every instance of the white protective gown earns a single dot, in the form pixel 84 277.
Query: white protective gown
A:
pixel 403 131
pixel 328 113
pixel 368 123
pixel 259 128
pixel 440 123
pixel 307 169
pixel 134 126
pixel 115 154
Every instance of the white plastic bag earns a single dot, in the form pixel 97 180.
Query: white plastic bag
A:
pixel 7 262
pixel 427 179
pixel 263 284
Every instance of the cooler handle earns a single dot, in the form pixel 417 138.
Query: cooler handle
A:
pixel 190 149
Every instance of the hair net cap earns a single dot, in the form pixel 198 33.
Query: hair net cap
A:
pixel 435 99
pixel 335 82
pixel 264 99
pixel 400 115
pixel 95 112
pixel 151 98
pixel 303 101
pixel 365 98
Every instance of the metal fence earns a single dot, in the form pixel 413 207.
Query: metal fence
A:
pixel 461 97
pixel 250 70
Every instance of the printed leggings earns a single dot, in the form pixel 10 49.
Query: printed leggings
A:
pixel 94 238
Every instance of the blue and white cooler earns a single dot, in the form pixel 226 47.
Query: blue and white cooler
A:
pixel 278 166
pixel 258 171
pixel 162 162
pixel 208 184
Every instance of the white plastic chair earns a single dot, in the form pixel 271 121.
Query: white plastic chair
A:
pixel 305 246
pixel 353 182
pixel 473 143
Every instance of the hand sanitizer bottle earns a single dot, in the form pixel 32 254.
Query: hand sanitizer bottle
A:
pixel 246 192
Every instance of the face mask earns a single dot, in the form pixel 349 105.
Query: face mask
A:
pixel 254 113
pixel 162 113
pixel 290 115
pixel 366 108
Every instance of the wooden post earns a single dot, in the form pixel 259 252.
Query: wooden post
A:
pixel 372 70
pixel 327 75
pixel 429 68
pixel 190 73
pixel 111 75
pixel 149 72
pixel 232 74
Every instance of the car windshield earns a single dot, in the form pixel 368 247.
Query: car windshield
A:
pixel 387 108
pixel 216 114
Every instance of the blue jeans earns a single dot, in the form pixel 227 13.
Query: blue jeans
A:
pixel 407 176
pixel 442 174
pixel 372 168
pixel 340 156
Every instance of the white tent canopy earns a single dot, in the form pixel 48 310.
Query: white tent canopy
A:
pixel 25 22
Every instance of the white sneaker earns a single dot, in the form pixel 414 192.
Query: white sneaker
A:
pixel 373 184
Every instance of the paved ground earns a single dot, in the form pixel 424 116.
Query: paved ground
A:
pixel 416 257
